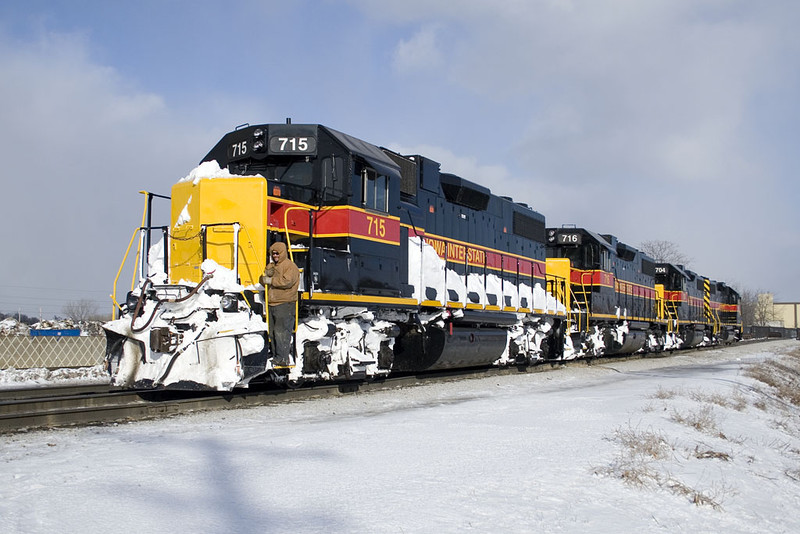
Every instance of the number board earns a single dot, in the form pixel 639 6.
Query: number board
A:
pixel 293 144
pixel 569 238
pixel 240 149
pixel 661 270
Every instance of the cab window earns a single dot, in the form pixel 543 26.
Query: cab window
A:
pixel 333 180
pixel 375 190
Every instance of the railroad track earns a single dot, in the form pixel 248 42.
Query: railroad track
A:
pixel 33 409
pixel 45 407
pixel 48 407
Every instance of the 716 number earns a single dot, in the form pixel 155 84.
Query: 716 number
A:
pixel 568 238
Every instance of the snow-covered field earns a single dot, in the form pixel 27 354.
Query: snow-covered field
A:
pixel 689 443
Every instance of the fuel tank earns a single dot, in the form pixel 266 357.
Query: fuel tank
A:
pixel 632 341
pixel 436 348
pixel 627 340
pixel 692 336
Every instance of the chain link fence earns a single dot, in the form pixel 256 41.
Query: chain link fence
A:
pixel 25 352
pixel 751 332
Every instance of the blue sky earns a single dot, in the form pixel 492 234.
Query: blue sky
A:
pixel 672 120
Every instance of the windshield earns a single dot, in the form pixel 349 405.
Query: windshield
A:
pixel 296 173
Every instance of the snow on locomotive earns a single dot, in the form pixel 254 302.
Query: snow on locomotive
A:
pixel 403 269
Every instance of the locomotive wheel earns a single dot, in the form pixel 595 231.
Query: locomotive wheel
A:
pixel 295 383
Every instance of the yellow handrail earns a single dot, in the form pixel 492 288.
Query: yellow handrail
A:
pixel 672 312
pixel 119 272
pixel 291 257
pixel 286 228
pixel 125 257
pixel 582 325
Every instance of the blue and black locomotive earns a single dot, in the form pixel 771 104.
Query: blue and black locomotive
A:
pixel 404 268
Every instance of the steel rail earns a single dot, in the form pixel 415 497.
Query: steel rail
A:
pixel 51 390
pixel 45 407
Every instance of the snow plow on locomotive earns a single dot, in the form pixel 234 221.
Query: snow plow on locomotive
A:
pixel 402 268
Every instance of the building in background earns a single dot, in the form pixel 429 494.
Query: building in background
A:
pixel 787 314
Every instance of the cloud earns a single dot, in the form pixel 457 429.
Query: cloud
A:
pixel 55 81
pixel 77 142
pixel 419 53
pixel 644 119
pixel 635 88
pixel 465 166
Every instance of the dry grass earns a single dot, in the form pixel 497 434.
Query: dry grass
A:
pixel 794 474
pixel 639 449
pixel 702 420
pixel 644 455
pixel 783 376
pixel 645 444
pixel 712 498
pixel 665 394
pixel 638 465
pixel 735 401
pixel 706 454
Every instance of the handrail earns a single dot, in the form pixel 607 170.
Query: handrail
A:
pixel 291 257
pixel 204 243
pixel 119 273
pixel 563 292
pixel 671 309
pixel 717 321
pixel 286 228
pixel 125 257
pixel 583 300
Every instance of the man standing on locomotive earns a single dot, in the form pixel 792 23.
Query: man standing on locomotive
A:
pixel 282 279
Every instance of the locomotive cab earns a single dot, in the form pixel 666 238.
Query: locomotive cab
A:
pixel 683 302
pixel 729 313
pixel 314 174
pixel 590 259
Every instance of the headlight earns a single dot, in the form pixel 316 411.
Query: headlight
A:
pixel 230 302
pixel 130 302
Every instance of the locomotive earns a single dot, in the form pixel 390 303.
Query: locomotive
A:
pixel 404 268
pixel 624 302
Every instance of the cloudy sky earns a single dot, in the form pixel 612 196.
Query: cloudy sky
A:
pixel 651 120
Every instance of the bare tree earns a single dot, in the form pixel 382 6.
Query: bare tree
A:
pixel 80 310
pixel 764 313
pixel 747 306
pixel 757 308
pixel 665 252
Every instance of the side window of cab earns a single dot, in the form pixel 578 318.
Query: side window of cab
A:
pixel 334 182
pixel 375 190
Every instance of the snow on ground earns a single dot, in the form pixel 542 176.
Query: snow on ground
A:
pixel 39 376
pixel 688 443
pixel 11 327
